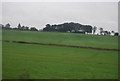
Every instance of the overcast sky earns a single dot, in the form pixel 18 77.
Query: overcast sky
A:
pixel 38 14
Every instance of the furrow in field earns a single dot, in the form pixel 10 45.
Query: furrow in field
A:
pixel 94 48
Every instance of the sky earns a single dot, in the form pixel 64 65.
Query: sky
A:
pixel 38 14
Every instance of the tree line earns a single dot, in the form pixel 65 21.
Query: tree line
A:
pixel 65 27
pixel 77 28
pixel 19 27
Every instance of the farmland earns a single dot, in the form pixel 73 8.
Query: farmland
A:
pixel 53 62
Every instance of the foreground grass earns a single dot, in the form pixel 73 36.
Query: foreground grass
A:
pixel 45 62
pixel 63 38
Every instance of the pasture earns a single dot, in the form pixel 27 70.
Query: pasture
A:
pixel 53 62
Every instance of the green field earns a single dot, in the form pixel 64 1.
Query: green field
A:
pixel 63 38
pixel 52 62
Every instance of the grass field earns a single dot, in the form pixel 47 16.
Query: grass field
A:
pixel 52 62
pixel 63 38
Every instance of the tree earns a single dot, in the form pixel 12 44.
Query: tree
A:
pixel 33 29
pixel 23 28
pixel 101 31
pixel 47 28
pixel 48 25
pixel 19 26
pixel 87 28
pixel 27 28
pixel 113 32
pixel 94 29
pixel 109 33
pixel 106 32
pixel 116 34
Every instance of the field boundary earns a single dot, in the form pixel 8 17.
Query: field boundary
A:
pixel 61 45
